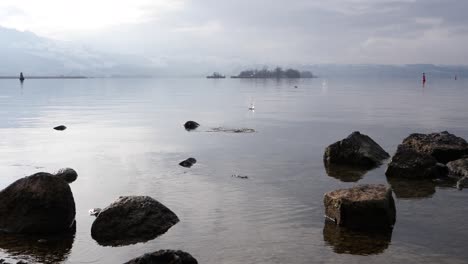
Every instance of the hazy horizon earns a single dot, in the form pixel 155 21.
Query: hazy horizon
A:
pixel 193 37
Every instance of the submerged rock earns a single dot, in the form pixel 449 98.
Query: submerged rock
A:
pixel 411 164
pixel 132 219
pixel 164 257
pixel 191 125
pixel 361 207
pixel 443 146
pixel 60 128
pixel 355 150
pixel 232 130
pixel 462 183
pixel 345 173
pixel 67 174
pixel 40 203
pixel 188 162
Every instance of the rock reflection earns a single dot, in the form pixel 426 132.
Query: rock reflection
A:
pixel 39 248
pixel 417 189
pixel 346 241
pixel 345 173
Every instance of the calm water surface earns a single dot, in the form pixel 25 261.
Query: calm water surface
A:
pixel 125 137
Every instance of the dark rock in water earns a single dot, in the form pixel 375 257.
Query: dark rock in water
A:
pixel 361 207
pixel 345 173
pixel 40 203
pixel 443 146
pixel 191 125
pixel 61 128
pixel 355 150
pixel 462 183
pixel 362 242
pixel 411 164
pixel 132 219
pixel 39 248
pixel 164 257
pixel 188 162
pixel 458 168
pixel 67 174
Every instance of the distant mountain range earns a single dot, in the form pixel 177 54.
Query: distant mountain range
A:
pixel 38 56
pixel 34 55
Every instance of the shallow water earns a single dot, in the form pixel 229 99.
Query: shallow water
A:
pixel 125 137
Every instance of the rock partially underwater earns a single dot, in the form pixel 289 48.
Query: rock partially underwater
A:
pixel 164 257
pixel 40 203
pixel 132 219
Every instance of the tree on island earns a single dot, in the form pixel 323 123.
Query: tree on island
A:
pixel 277 73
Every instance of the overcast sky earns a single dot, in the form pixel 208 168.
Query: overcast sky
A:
pixel 256 31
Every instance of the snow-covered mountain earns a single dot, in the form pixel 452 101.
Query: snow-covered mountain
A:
pixel 35 55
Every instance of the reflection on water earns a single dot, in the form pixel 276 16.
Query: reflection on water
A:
pixel 39 248
pixel 126 137
pixel 346 241
pixel 418 189
pixel 345 173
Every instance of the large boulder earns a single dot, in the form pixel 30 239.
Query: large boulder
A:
pixel 411 164
pixel 40 203
pixel 361 207
pixel 458 168
pixel 164 257
pixel 132 219
pixel 443 146
pixel 356 150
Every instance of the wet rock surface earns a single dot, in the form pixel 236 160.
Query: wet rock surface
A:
pixel 40 203
pixel 411 164
pixel 355 150
pixel 362 207
pixel 191 125
pixel 132 219
pixel 462 183
pixel 443 146
pixel 458 168
pixel 188 162
pixel 67 174
pixel 164 257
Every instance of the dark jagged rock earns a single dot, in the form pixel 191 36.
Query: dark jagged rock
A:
pixel 60 128
pixel 443 146
pixel 67 174
pixel 40 203
pixel 411 164
pixel 362 242
pixel 191 125
pixel 361 207
pixel 132 219
pixel 188 162
pixel 164 257
pixel 355 150
pixel 458 168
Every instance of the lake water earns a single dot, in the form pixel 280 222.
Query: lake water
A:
pixel 126 137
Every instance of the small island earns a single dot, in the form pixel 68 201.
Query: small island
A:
pixel 216 75
pixel 277 73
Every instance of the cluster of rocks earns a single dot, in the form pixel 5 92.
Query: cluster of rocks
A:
pixel 421 160
pixel 42 205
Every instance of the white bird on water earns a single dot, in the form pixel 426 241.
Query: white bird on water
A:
pixel 252 106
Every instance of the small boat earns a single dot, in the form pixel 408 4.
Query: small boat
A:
pixel 216 76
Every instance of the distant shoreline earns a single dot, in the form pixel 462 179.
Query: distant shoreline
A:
pixel 45 77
